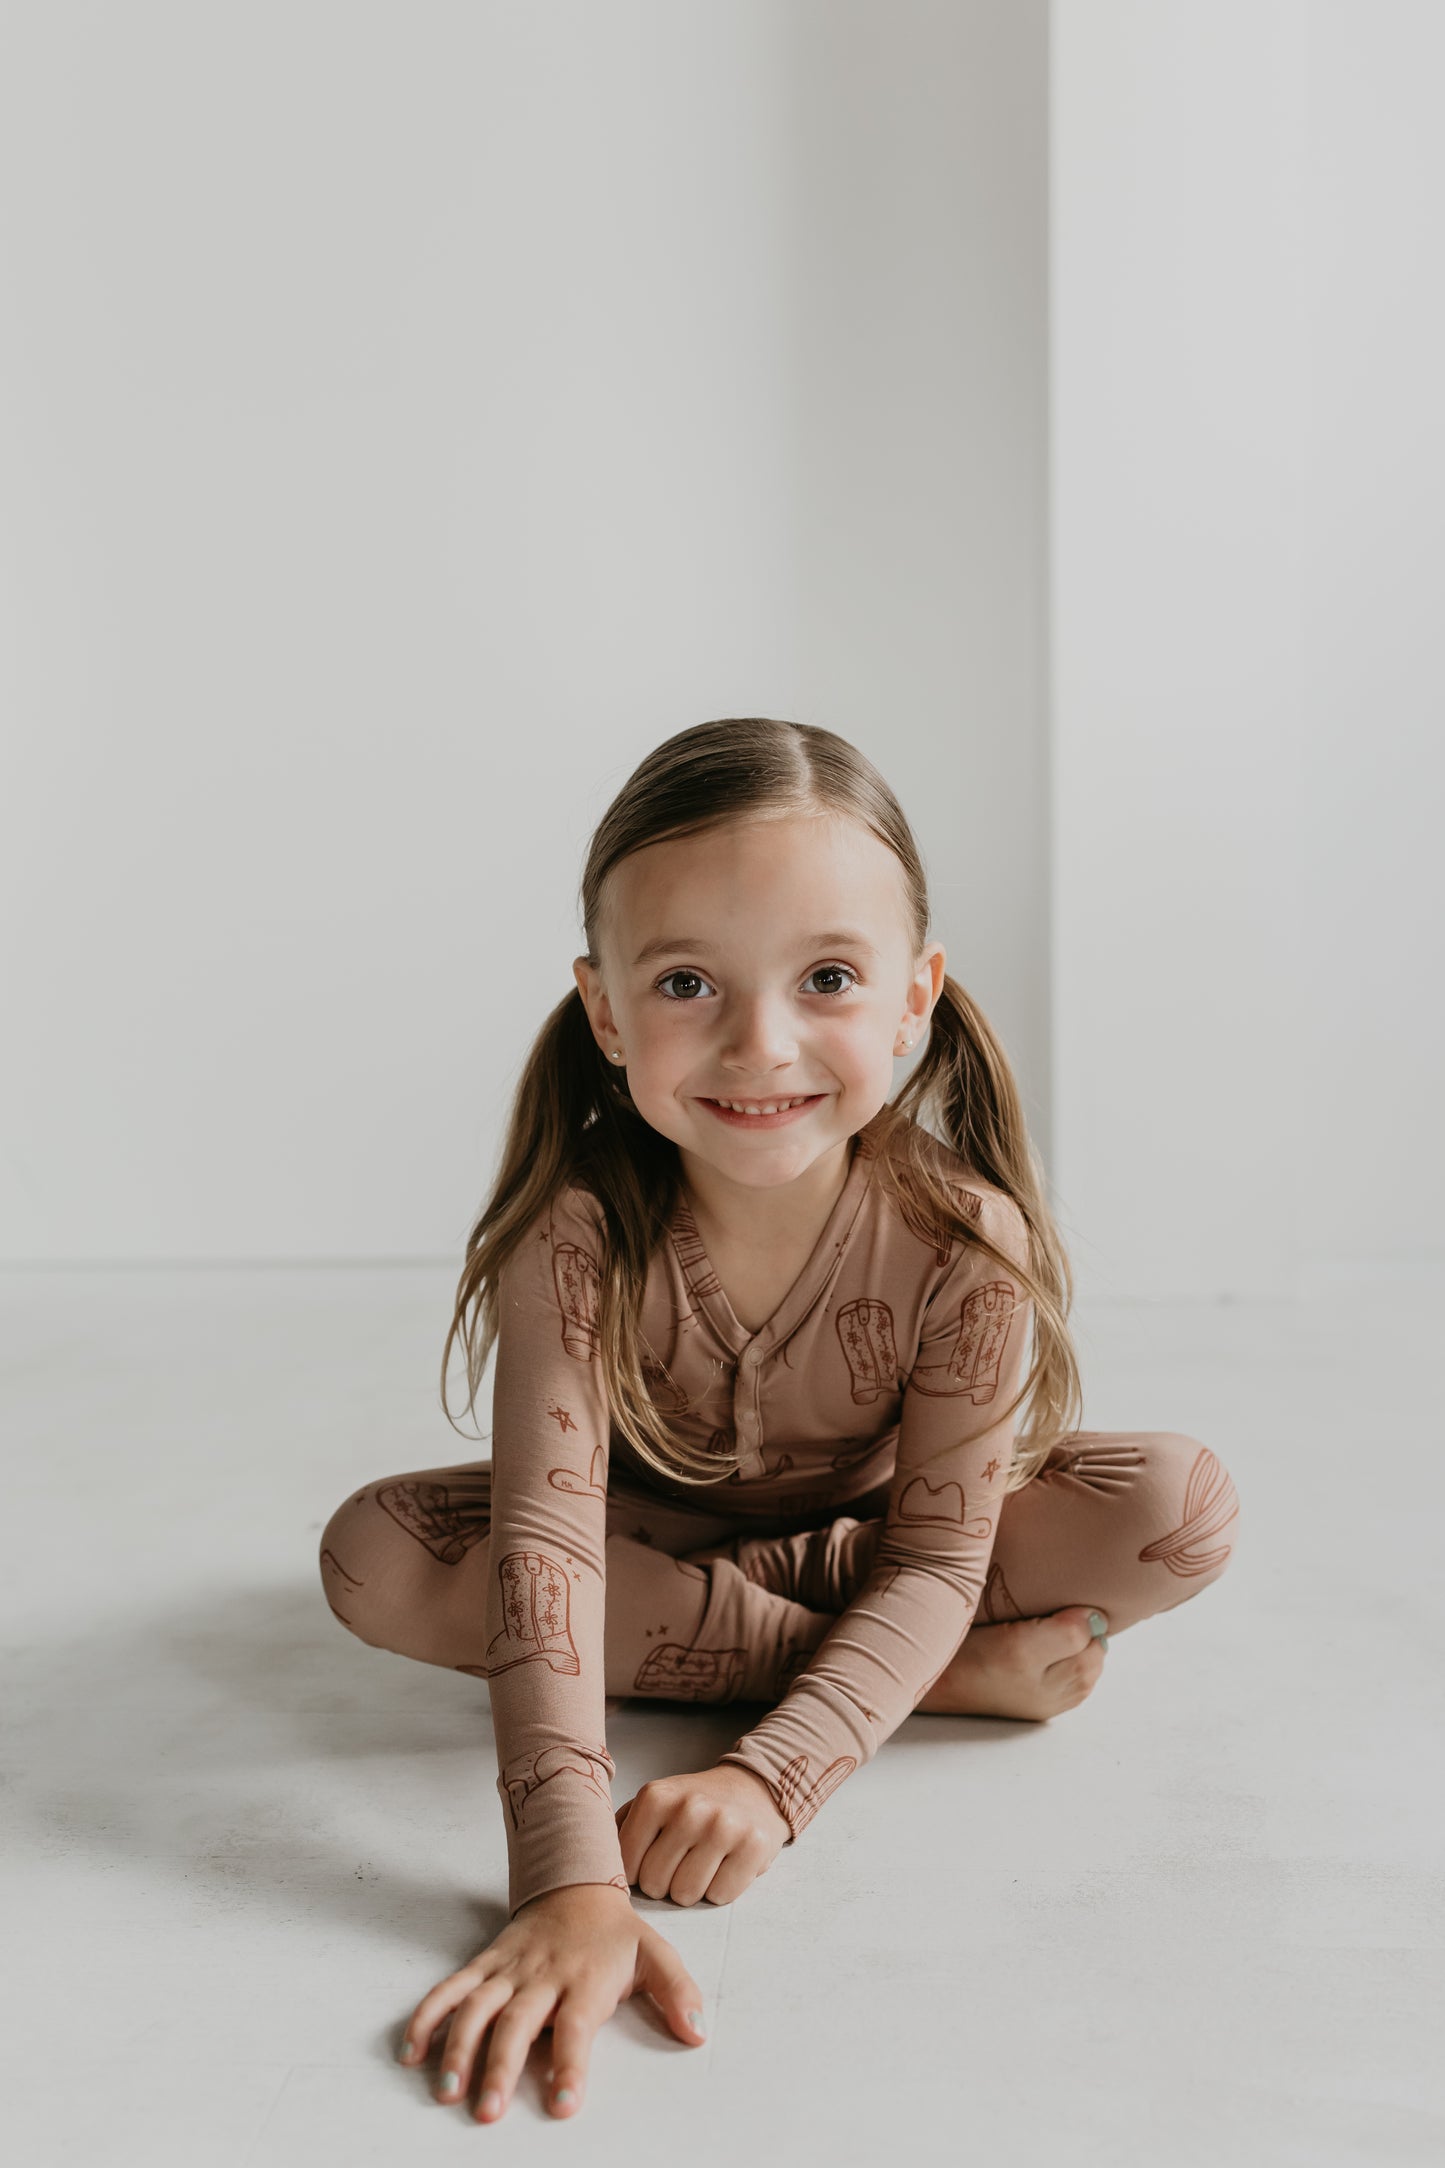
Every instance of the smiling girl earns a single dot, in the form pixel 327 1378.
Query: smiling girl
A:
pixel 762 1343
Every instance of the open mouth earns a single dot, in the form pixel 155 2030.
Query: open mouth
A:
pixel 738 1117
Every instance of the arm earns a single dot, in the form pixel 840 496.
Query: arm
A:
pixel 918 1602
pixel 573 1948
pixel 546 1585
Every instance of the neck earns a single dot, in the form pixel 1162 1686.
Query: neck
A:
pixel 744 1217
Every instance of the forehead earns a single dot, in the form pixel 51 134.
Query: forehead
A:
pixel 759 883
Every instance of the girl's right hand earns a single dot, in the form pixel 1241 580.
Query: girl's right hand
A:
pixel 566 1959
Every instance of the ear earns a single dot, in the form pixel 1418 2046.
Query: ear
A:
pixel 594 1000
pixel 926 986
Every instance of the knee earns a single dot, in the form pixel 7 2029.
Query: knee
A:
pixel 1189 1512
pixel 344 1551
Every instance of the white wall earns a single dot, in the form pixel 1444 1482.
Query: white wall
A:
pixel 408 417
pixel 1371 1160
pixel 1247 675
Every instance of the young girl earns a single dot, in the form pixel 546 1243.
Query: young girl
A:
pixel 760 1354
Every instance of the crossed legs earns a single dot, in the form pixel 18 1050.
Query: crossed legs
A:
pixel 1128 1523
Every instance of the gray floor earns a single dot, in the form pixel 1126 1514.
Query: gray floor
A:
pixel 1197 1919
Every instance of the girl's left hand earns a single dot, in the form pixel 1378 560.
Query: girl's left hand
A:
pixel 708 1833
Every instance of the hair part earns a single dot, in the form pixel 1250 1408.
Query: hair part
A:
pixel 573 1120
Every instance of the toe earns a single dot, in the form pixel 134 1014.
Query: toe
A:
pixel 1076 1675
pixel 1066 1633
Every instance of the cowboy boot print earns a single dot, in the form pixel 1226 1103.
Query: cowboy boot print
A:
pixel 447 1518
pixel 537 1607
pixel 972 1365
pixel 865 1328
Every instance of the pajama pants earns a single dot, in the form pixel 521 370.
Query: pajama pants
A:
pixel 1130 1522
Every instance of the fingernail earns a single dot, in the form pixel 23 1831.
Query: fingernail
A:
pixel 404 2050
pixel 450 2081
pixel 564 2096
pixel 694 2018
pixel 1104 1643
pixel 491 2102
pixel 1098 1624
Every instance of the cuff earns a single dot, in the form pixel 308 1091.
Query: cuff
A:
pixel 797 1791
pixel 560 1822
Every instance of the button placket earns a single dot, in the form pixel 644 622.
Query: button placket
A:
pixel 746 1418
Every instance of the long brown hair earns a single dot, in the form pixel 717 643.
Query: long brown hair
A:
pixel 573 1120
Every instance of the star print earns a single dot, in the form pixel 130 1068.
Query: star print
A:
pixel 563 1418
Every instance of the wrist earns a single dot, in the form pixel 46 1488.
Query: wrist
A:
pixel 577 1895
pixel 763 1785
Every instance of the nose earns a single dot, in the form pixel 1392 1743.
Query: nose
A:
pixel 758 1037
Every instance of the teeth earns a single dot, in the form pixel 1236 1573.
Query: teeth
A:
pixel 771 1106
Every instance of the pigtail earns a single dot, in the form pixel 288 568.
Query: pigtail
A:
pixel 554 1103
pixel 965 1086
pixel 573 1121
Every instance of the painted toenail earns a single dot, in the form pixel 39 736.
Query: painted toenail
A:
pixel 1098 1624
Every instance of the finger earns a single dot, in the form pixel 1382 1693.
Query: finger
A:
pixel 574 2028
pixel 512 2035
pixel 636 1833
pixel 417 2033
pixel 662 1974
pixel 470 2020
pixel 737 1873
pixel 660 1862
pixel 693 1874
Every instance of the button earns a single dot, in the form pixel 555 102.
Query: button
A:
pixel 753 1357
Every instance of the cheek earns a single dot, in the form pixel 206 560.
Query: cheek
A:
pixel 860 1030
pixel 663 1053
pixel 853 1048
pixel 663 1039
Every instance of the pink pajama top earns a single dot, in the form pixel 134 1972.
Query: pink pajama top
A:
pixel 886 1363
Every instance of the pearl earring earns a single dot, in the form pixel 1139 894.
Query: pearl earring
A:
pixel 616 1056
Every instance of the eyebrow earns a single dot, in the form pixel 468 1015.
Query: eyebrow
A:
pixel 670 944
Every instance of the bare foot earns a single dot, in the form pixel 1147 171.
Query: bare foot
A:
pixel 1030 1667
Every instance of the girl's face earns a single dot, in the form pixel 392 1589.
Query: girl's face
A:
pixel 762 961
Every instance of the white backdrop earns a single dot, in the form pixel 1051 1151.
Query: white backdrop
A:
pixel 410 416
pixel 1248 543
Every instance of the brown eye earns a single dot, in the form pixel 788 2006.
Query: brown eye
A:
pixel 828 971
pixel 696 978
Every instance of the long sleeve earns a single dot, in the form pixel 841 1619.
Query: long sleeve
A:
pixel 954 1455
pixel 546 1586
